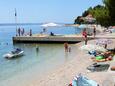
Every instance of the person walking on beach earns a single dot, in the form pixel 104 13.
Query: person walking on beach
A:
pixel 66 47
pixel 94 31
pixel 84 34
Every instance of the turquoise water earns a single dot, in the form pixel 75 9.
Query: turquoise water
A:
pixel 46 58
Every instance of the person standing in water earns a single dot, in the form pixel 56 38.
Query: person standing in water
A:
pixel 66 46
pixel 37 48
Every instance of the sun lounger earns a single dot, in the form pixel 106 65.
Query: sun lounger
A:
pixel 96 67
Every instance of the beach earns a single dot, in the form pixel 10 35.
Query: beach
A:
pixel 63 74
pixel 57 43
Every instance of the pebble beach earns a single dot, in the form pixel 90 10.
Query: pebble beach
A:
pixel 63 75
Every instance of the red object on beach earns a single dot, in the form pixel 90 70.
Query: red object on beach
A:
pixel 110 58
pixel 70 84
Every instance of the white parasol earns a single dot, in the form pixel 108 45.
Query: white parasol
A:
pixel 103 41
pixel 91 47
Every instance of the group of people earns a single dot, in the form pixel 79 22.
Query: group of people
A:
pixel 102 56
pixel 85 34
pixel 21 32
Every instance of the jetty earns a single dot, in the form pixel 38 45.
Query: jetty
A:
pixel 48 39
pixel 37 38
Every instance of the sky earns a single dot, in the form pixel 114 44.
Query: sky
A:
pixel 40 11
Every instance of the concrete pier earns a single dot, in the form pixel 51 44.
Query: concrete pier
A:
pixel 48 39
pixel 56 38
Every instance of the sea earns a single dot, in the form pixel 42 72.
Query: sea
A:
pixel 48 57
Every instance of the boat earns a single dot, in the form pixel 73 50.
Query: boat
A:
pixel 15 53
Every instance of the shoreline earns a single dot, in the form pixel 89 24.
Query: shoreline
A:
pixel 62 75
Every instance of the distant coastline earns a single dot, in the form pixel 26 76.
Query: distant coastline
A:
pixel 13 24
pixel 72 25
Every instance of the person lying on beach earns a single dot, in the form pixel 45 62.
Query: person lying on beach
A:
pixel 106 56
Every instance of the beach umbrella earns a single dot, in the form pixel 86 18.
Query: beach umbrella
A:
pixel 91 47
pixel 49 25
pixel 103 41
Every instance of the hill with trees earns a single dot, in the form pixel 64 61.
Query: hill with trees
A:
pixel 104 15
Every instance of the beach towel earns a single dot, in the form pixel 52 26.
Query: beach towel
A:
pixel 99 57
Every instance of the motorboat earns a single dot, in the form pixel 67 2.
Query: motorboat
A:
pixel 15 53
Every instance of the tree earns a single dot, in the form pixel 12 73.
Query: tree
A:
pixel 105 15
pixel 78 20
pixel 110 5
pixel 85 13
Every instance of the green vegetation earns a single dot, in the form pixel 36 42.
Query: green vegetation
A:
pixel 104 15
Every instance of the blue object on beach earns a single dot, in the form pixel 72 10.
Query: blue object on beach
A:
pixel 74 83
pixel 83 81
pixel 92 53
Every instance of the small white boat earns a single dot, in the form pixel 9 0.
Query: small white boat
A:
pixel 15 53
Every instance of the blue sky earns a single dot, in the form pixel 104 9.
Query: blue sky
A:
pixel 37 11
